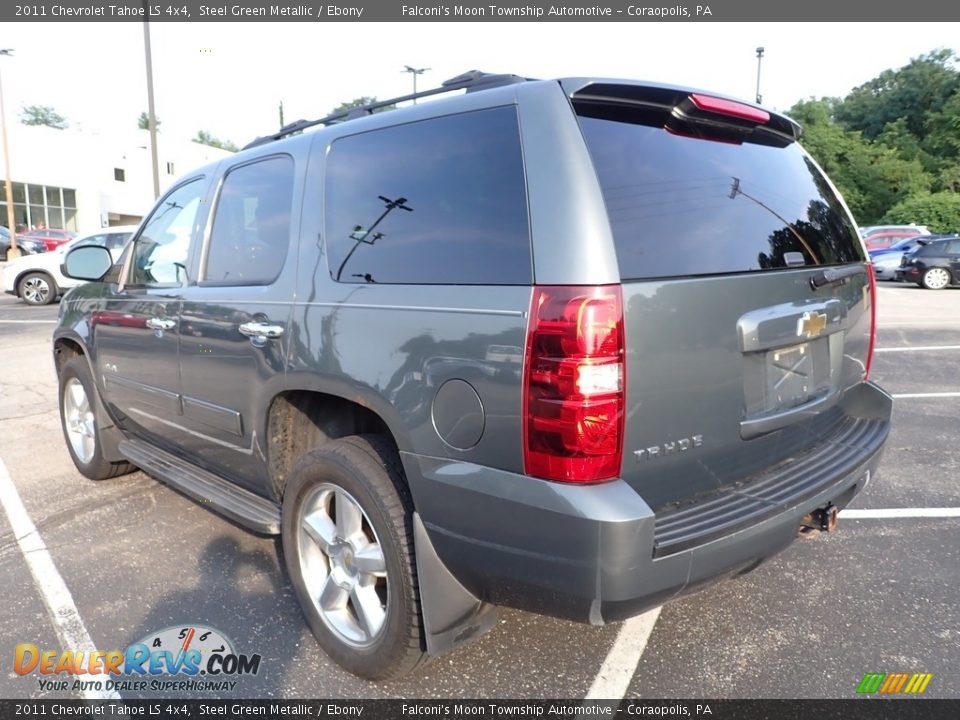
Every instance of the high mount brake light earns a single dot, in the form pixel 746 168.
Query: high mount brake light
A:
pixel 730 108
pixel 574 384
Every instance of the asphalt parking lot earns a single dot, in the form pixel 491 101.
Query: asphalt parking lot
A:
pixel 880 595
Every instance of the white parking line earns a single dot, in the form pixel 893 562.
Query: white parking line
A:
pixel 28 322
pixel 881 513
pixel 613 679
pixel 66 618
pixel 926 395
pixel 918 348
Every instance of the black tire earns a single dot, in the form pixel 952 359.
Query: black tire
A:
pixel 37 288
pixel 368 468
pixel 95 467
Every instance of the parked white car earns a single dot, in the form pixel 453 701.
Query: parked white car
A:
pixel 37 280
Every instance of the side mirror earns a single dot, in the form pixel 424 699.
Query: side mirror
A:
pixel 89 262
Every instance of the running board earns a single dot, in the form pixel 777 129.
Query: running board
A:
pixel 240 505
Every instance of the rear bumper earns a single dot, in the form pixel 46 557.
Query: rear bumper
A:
pixel 591 553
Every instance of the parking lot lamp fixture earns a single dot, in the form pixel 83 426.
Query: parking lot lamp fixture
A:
pixel 13 252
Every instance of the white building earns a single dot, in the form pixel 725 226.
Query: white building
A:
pixel 83 181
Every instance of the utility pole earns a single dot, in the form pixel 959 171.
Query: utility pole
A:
pixel 13 252
pixel 152 117
pixel 759 60
pixel 414 71
pixel 281 114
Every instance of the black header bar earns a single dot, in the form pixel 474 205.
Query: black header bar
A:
pixel 638 11
pixel 433 709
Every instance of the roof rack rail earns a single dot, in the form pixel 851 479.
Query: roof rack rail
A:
pixel 469 81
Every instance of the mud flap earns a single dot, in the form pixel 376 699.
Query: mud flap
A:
pixel 452 615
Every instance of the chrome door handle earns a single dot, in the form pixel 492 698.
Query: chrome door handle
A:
pixel 161 324
pixel 261 330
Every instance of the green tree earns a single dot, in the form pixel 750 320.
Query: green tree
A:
pixel 360 102
pixel 949 178
pixel 892 146
pixel 205 138
pixel 143 122
pixel 897 136
pixel 912 92
pixel 42 115
pixel 872 177
pixel 943 129
pixel 939 211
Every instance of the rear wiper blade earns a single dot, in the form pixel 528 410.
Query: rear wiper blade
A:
pixel 835 276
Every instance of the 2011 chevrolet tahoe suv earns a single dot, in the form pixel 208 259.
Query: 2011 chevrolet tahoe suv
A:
pixel 576 346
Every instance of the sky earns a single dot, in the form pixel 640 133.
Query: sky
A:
pixel 229 78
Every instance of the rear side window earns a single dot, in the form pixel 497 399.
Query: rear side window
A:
pixel 97 240
pixel 683 205
pixel 441 201
pixel 251 227
pixel 936 248
pixel 949 247
pixel 116 241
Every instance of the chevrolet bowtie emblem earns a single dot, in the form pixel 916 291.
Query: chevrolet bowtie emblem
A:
pixel 811 324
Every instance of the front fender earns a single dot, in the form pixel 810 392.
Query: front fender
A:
pixel 75 337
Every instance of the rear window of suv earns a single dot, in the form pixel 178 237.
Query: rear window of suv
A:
pixel 682 205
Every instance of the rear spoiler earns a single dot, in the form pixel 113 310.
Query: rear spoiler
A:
pixel 678 109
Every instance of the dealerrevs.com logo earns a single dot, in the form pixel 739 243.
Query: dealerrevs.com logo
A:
pixel 894 683
pixel 200 658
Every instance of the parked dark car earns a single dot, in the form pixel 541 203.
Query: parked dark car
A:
pixel 26 245
pixel 886 261
pixel 578 347
pixel 934 266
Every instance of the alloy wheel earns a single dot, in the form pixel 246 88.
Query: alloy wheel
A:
pixel 35 290
pixel 343 565
pixel 79 421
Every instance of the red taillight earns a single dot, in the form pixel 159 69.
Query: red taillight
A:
pixel 574 381
pixel 873 321
pixel 730 108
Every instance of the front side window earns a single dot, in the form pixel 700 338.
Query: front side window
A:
pixel 251 226
pixel 440 201
pixel 160 255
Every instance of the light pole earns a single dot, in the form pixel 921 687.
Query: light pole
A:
pixel 151 115
pixel 13 252
pixel 759 60
pixel 359 235
pixel 414 71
